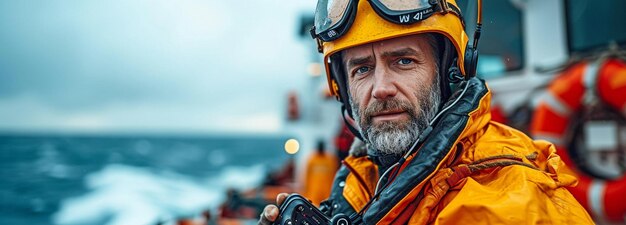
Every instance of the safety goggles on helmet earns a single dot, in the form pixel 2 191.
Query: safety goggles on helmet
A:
pixel 333 18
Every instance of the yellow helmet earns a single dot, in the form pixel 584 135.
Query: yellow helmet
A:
pixel 367 25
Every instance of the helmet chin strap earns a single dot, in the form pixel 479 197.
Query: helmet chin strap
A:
pixel 349 121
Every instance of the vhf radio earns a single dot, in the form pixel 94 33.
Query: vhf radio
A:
pixel 297 210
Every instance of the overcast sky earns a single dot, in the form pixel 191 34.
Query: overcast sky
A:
pixel 150 65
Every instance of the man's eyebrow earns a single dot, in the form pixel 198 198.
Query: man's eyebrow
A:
pixel 359 61
pixel 400 52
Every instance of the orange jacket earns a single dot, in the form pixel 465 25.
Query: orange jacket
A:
pixel 469 170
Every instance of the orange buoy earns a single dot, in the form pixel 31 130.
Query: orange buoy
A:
pixel 604 199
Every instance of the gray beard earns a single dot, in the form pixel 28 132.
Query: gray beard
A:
pixel 397 137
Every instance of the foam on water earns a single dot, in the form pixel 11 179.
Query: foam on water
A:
pixel 127 195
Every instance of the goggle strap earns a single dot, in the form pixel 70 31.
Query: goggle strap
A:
pixel 320 45
pixel 312 32
pixel 456 11
pixel 445 7
pixel 318 41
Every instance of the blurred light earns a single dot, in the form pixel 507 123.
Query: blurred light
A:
pixel 292 146
pixel 315 69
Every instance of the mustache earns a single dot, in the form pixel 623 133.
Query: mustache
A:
pixel 390 104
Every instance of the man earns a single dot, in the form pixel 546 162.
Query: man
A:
pixel 433 155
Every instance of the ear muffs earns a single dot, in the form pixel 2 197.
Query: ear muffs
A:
pixel 471 61
pixel 471 51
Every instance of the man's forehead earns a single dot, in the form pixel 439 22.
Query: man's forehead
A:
pixel 411 41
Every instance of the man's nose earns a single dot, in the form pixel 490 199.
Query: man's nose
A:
pixel 384 85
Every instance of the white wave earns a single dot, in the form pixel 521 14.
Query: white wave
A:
pixel 127 195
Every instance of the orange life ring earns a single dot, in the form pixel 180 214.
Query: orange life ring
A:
pixel 604 199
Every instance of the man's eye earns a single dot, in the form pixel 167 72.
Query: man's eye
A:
pixel 362 70
pixel 405 61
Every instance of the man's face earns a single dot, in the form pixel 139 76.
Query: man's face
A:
pixel 394 91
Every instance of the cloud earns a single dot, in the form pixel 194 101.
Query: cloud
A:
pixel 115 65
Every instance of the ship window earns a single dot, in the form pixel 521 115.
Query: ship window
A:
pixel 501 41
pixel 592 25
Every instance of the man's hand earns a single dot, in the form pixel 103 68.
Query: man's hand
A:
pixel 270 213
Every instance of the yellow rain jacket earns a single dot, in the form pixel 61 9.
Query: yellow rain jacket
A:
pixel 469 170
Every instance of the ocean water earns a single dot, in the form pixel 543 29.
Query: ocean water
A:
pixel 125 180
